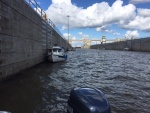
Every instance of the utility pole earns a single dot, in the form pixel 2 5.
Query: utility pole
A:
pixel 68 27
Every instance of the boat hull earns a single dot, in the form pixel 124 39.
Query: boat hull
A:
pixel 57 54
pixel 57 58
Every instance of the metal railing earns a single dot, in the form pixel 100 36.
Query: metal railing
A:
pixel 33 4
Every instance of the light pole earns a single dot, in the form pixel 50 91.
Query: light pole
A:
pixel 68 27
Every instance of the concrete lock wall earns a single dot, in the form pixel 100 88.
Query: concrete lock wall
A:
pixel 24 37
pixel 110 46
pixel 142 44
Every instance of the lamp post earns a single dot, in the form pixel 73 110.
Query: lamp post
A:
pixel 68 27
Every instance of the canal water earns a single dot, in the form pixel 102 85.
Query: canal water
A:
pixel 123 76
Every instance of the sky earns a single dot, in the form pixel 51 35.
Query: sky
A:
pixel 96 18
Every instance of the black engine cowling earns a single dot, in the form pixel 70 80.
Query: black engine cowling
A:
pixel 87 100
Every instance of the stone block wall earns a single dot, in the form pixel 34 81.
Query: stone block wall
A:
pixel 24 37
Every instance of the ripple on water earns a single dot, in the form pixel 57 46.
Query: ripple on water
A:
pixel 122 75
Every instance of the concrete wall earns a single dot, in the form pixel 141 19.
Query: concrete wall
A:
pixel 24 37
pixel 142 44
pixel 110 46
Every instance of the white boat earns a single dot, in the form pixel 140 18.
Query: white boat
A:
pixel 126 49
pixel 57 54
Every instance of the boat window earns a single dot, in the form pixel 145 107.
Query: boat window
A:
pixel 59 50
pixel 54 50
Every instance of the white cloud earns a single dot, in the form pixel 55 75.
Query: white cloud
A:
pixel 139 1
pixel 116 33
pixel 66 35
pixel 97 15
pixel 76 41
pixel 109 31
pixel 85 36
pixel 61 1
pixel 73 38
pixel 64 27
pixel 80 33
pixel 102 28
pixel 132 34
pixel 143 12
pixel 140 22
pixel 119 13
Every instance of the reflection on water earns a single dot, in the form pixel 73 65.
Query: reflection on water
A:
pixel 122 75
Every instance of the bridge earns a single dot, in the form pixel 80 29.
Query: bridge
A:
pixel 87 42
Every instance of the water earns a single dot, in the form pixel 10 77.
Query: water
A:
pixel 123 76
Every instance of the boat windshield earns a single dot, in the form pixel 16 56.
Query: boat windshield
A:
pixel 59 50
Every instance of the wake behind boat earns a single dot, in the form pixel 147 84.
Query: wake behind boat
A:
pixel 57 54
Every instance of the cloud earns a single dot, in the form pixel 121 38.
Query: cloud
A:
pixel 99 15
pixel 70 36
pixel 66 35
pixel 104 29
pixel 116 33
pixel 85 36
pixel 73 37
pixel 139 1
pixel 132 34
pixel 143 12
pixel 80 33
pixel 61 1
pixel 64 27
pixel 140 22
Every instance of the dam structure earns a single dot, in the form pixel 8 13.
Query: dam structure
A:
pixel 25 36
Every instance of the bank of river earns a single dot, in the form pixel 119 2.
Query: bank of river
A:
pixel 123 76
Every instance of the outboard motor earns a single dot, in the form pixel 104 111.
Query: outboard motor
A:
pixel 87 100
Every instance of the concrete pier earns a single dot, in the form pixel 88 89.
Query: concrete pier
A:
pixel 24 37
